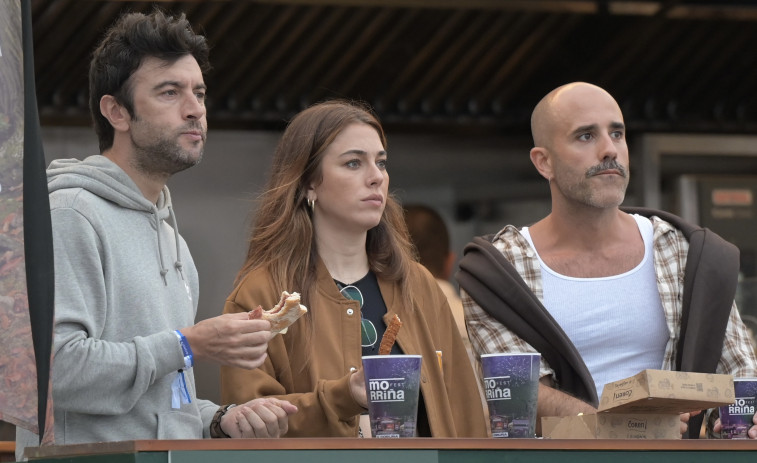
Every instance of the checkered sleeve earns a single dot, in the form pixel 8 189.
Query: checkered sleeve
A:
pixel 487 335
pixel 671 249
pixel 738 357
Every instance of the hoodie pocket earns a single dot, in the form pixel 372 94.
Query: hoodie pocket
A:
pixel 179 425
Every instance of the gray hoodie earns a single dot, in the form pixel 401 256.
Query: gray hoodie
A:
pixel 125 280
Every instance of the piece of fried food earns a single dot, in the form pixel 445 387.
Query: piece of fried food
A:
pixel 286 312
pixel 390 335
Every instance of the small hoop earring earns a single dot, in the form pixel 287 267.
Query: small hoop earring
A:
pixel 311 204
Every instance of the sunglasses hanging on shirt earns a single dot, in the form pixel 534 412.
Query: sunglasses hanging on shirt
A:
pixel 368 334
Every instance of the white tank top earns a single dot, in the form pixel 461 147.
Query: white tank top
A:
pixel 617 323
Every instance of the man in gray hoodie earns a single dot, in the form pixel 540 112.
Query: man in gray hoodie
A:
pixel 126 287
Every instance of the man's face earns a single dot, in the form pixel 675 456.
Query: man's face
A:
pixel 168 128
pixel 588 151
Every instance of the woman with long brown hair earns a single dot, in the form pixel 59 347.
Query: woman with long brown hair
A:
pixel 328 228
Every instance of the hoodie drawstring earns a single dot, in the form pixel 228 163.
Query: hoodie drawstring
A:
pixel 179 266
pixel 163 269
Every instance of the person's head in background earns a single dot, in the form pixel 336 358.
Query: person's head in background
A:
pixel 297 204
pixel 431 239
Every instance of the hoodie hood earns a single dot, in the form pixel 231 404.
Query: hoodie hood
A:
pixel 104 178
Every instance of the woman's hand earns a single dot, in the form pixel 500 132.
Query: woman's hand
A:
pixel 357 388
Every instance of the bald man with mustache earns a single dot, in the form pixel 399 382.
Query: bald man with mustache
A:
pixel 602 292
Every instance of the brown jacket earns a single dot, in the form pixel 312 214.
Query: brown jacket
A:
pixel 314 374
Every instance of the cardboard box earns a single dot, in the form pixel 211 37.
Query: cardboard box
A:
pixel 658 391
pixel 612 426
pixel 644 406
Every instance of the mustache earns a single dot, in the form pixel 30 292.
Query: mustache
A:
pixel 611 164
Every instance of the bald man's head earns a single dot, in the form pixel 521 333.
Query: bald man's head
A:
pixel 551 108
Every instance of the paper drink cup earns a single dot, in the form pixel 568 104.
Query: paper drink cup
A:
pixel 511 387
pixel 736 418
pixel 392 383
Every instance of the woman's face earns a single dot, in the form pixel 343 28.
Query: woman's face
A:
pixel 352 194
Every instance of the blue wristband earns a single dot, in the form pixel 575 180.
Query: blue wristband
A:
pixel 189 359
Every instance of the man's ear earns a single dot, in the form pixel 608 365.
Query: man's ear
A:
pixel 115 113
pixel 542 161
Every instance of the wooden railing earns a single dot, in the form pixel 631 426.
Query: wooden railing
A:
pixel 338 450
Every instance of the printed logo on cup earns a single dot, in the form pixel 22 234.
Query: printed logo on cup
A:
pixel 497 388
pixel 742 406
pixel 386 390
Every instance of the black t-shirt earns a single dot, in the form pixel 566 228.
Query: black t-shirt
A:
pixel 373 309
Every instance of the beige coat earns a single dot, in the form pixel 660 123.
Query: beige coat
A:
pixel 314 374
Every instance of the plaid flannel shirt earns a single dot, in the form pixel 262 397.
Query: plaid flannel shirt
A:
pixel 487 335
